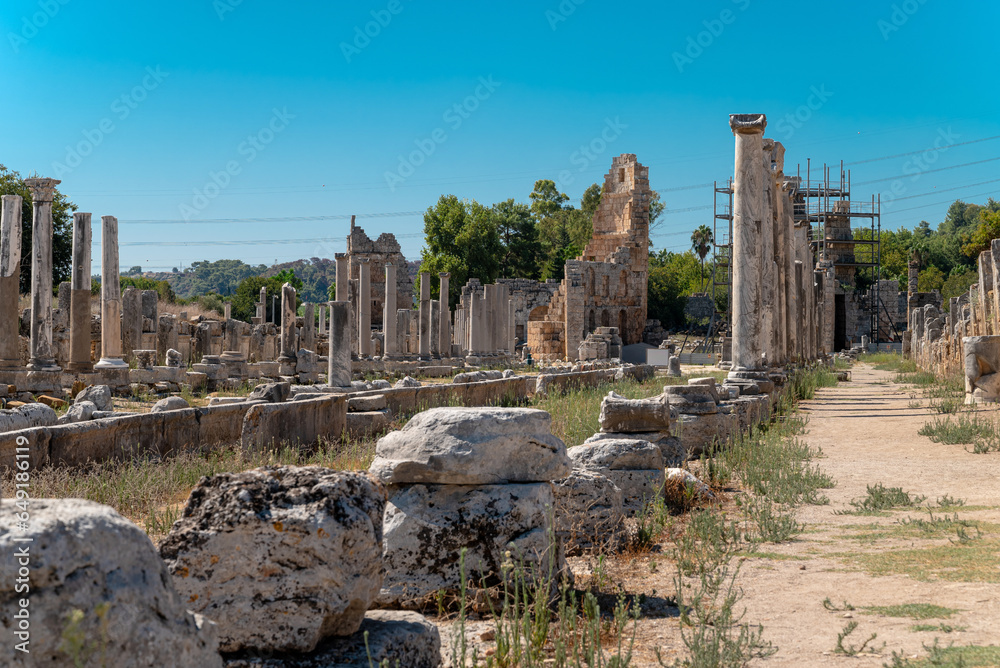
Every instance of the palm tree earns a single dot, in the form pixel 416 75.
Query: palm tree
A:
pixel 701 242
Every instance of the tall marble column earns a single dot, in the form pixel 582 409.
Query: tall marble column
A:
pixel 766 250
pixel 829 309
pixel 43 354
pixel 473 325
pixel 444 328
pixel 308 327
pixel 424 323
pixel 111 298
pixel 339 357
pixel 131 321
pixel 10 275
pixel 342 292
pixel 435 328
pixel 748 212
pixel 321 318
pixel 511 331
pixel 288 316
pixel 79 324
pixel 488 329
pixel 364 309
pixel 390 346
pixel 262 306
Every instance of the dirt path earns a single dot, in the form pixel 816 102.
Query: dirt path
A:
pixel 867 430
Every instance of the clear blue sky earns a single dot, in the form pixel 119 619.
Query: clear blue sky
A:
pixel 161 96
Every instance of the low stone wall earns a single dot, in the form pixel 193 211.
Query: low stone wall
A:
pixel 406 400
pixel 294 422
pixel 563 382
pixel 162 434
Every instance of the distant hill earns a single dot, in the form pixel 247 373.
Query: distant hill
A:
pixel 224 276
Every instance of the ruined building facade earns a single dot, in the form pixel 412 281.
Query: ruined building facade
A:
pixel 378 253
pixel 607 285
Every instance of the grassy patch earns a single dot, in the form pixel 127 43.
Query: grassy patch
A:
pixel 968 656
pixel 937 628
pixel 968 561
pixel 964 429
pixel 912 610
pixel 150 492
pixel 888 362
pixel 880 499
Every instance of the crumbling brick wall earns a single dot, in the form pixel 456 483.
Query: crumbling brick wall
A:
pixel 607 285
pixel 380 252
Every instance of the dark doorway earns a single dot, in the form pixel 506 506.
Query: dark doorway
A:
pixel 839 323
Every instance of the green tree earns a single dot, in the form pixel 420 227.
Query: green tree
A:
pixel 958 284
pixel 986 230
pixel 11 183
pixel 519 236
pixel 930 279
pixel 701 243
pixel 462 238
pixel 164 291
pixel 591 200
pixel 244 300
pixel 673 277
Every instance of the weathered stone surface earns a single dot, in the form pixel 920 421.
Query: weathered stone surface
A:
pixel 472 446
pixel 100 395
pixel 381 384
pixel 80 411
pixel 407 382
pixel 427 526
pixel 272 392
pixel 708 382
pixel 617 455
pixel 638 487
pixel 671 447
pixel 634 415
pixel 588 511
pixel 369 402
pixel 296 423
pixel 170 404
pixel 279 557
pixel 691 399
pixel 87 557
pixel 697 432
pixel 403 639
pixel 27 416
pixel 696 487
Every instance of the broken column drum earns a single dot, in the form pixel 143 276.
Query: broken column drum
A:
pixel 288 308
pixel 339 356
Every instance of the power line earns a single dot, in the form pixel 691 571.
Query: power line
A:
pixel 945 201
pixel 925 150
pixel 296 219
pixel 945 190
pixel 921 173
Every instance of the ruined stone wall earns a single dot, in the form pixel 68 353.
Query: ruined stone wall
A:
pixel 383 250
pixel 607 285
pixel 528 295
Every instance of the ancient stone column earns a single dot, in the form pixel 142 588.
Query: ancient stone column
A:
pixel 475 312
pixel 748 212
pixel 511 331
pixel 995 262
pixel 321 318
pixel 10 274
pixel 424 332
pixel 986 292
pixel 79 322
pixel 262 306
pixel 829 309
pixel 444 328
pixel 403 316
pixel 339 357
pixel 767 272
pixel 488 329
pixel 131 321
pixel 288 308
pixel 43 356
pixel 308 327
pixel 390 346
pixel 435 327
pixel 798 305
pixel 111 298
pixel 364 309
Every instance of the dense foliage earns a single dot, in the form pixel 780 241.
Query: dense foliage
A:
pixel 11 183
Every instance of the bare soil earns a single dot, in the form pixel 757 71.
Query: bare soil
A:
pixel 867 430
